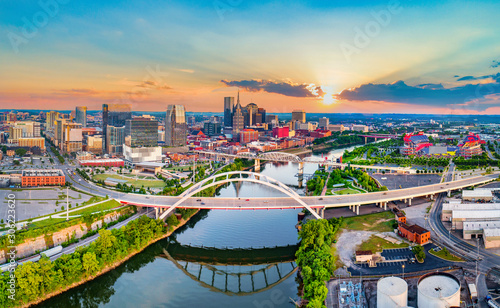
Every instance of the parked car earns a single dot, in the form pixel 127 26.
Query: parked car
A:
pixel 198 200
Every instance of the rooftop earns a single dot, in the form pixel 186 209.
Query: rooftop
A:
pixel 470 206
pixel 477 214
pixel 492 232
pixel 481 225
pixel 477 193
pixel 42 172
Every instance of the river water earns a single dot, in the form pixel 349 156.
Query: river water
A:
pixel 234 258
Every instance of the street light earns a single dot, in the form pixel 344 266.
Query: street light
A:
pixel 403 266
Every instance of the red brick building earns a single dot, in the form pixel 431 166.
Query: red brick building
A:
pixel 281 132
pixel 414 233
pixel 248 135
pixel 400 216
pixel 106 162
pixel 320 133
pixel 41 177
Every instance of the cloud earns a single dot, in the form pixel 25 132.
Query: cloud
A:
pixel 149 84
pixel 283 88
pixel 185 70
pixel 427 94
pixel 495 64
pixel 467 78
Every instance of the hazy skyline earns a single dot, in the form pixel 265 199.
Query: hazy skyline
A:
pixel 331 56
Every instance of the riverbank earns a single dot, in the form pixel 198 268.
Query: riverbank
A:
pixel 333 146
pixel 108 268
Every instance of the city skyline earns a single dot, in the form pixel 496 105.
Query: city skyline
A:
pixel 363 57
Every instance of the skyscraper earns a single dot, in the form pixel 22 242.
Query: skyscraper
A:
pixel 115 139
pixel 299 116
pixel 324 122
pixel 52 116
pixel 238 119
pixel 228 111
pixel 141 132
pixel 114 115
pixel 175 126
pixel 81 115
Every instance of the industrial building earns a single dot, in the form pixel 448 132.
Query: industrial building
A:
pixel 42 177
pixel 448 208
pixel 478 194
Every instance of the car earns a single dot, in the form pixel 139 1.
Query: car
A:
pixel 247 200
pixel 203 203
pixel 199 200
pixel 320 199
pixel 147 197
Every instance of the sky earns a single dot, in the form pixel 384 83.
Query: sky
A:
pixel 320 56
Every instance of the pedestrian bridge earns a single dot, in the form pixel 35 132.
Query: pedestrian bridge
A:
pixel 316 205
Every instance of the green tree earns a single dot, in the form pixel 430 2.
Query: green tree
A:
pixel 90 263
pixel 21 151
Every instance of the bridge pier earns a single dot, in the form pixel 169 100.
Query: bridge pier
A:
pixel 449 193
pixel 257 165
pixel 385 206
pixel 156 212
pixel 357 209
pixel 409 201
pixel 366 140
pixel 301 169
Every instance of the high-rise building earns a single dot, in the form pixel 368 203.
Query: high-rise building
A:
pixel 141 132
pixel 324 122
pixel 238 119
pixel 212 129
pixel 15 133
pixel 81 115
pixel 114 115
pixel 50 122
pixel 72 137
pixel 248 135
pixel 270 118
pixel 175 126
pixel 261 116
pixel 94 143
pixel 115 139
pixel 228 111
pixel 299 116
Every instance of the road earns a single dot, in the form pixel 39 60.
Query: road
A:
pixel 485 259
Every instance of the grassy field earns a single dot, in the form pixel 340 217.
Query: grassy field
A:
pixel 130 181
pixel 187 167
pixel 347 191
pixel 377 244
pixel 381 222
pixel 45 222
pixel 98 207
pixel 445 255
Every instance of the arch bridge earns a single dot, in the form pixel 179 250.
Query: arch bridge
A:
pixel 239 176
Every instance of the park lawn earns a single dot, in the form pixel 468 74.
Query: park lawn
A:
pixel 377 244
pixel 130 181
pixel 187 167
pixel 45 222
pixel 107 205
pixel 347 191
pixel 381 222
pixel 445 255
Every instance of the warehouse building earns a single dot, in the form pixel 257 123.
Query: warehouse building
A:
pixel 448 208
pixel 491 238
pixel 477 195
pixel 459 217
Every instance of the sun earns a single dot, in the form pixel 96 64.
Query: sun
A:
pixel 328 97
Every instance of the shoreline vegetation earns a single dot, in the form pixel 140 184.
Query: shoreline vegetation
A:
pixel 37 282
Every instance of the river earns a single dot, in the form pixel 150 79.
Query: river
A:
pixel 219 259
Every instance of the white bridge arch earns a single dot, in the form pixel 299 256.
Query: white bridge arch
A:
pixel 227 177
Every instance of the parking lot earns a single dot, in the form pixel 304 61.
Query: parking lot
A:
pixel 396 267
pixel 400 181
pixel 32 203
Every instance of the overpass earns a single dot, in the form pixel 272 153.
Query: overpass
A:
pixel 379 136
pixel 286 157
pixel 316 205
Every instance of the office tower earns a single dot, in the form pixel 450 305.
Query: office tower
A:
pixel 228 111
pixel 261 116
pixel 59 131
pixel 238 119
pixel 94 143
pixel 115 139
pixel 29 128
pixel 270 118
pixel 114 115
pixel 212 129
pixel 81 115
pixel 299 116
pixel 324 122
pixel 175 126
pixel 73 137
pixel 250 114
pixel 141 132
